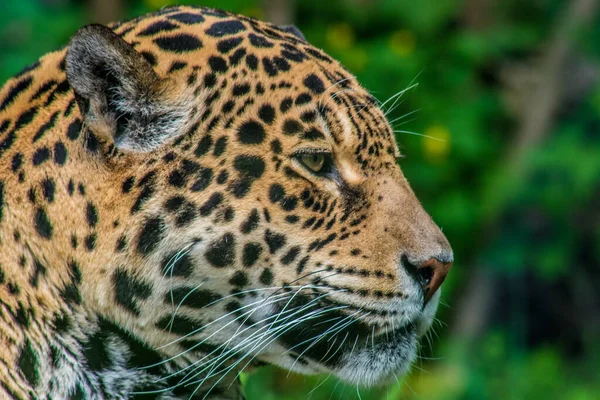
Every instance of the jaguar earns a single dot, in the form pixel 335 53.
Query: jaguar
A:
pixel 191 194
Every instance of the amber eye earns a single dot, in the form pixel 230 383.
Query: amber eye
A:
pixel 314 162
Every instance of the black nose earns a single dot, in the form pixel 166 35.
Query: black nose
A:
pixel 429 274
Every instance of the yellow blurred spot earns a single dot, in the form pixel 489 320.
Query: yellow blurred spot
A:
pixel 340 36
pixel 244 378
pixel 402 43
pixel 436 142
pixel 356 60
pixel 443 382
pixel 156 4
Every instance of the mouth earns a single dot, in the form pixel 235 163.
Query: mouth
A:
pixel 343 343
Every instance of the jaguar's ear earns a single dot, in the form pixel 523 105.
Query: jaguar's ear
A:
pixel 294 31
pixel 120 94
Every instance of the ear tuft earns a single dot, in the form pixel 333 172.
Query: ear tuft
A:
pixel 118 90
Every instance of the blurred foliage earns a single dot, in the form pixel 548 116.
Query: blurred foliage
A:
pixel 536 231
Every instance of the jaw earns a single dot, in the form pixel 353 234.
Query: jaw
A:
pixel 363 359
pixel 382 361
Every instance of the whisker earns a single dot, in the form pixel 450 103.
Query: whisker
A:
pixel 392 122
pixel 224 356
pixel 331 87
pixel 262 345
pixel 419 134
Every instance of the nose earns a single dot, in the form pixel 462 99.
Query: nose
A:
pixel 429 274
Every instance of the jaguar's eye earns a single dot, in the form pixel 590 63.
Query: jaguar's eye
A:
pixel 314 162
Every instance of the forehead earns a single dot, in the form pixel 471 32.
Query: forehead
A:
pixel 269 70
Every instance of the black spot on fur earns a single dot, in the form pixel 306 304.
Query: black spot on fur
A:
pixel 174 203
pixel 151 234
pixel 217 64
pixel 48 189
pixel 4 126
pixel 303 99
pixel 41 155
pixel 95 351
pixel 237 56
pixel 291 127
pixel 222 177
pixel 177 264
pixel 221 252
pixel 239 279
pixel 42 224
pixel 220 146
pixel 251 132
pixel 240 89
pixel 224 28
pixel 213 201
pixel 291 255
pixel 251 222
pixel 274 240
pixel 203 179
pixel 269 66
pixel 266 277
pixel 313 134
pixel 157 27
pixel 45 128
pixel 187 18
pixel 128 184
pixel 276 146
pixel 62 323
pixel 259 41
pixel 180 325
pixel 314 83
pixel 240 187
pixel 150 57
pixel 192 297
pixel 281 64
pixel 29 364
pixel 252 62
pixel 210 80
pixel 251 167
pixel 60 89
pixel 178 43
pixel 43 89
pixel 128 289
pixel 203 146
pixel 90 241
pixel 15 91
pixel 226 45
pixel 74 129
pixel 251 253
pixel 176 66
pixel 60 153
pixel 39 269
pixel 286 104
pixel 266 113
pixel 91 214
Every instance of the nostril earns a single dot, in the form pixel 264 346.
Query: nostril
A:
pixel 429 274
pixel 425 276
pixel 411 268
pixel 422 276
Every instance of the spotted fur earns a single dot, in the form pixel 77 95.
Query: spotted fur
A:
pixel 159 231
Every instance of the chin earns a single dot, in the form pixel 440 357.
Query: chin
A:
pixel 368 360
pixel 383 361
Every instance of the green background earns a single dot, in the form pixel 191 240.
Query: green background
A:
pixel 513 182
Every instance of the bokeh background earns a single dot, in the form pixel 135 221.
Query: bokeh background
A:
pixel 502 141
